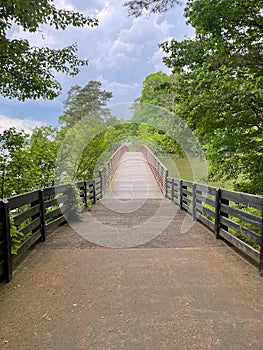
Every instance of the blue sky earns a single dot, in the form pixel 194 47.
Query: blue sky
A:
pixel 121 51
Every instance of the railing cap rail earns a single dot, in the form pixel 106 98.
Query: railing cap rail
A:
pixel 164 167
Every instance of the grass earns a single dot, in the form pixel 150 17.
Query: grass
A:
pixel 192 169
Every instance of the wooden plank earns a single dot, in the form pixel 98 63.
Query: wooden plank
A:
pixel 188 183
pixel 206 189
pixel 242 215
pixel 18 219
pixel 53 213
pixel 56 201
pixel 204 210
pixel 207 200
pixel 243 198
pixel 22 199
pixel 55 223
pixel 187 200
pixel 242 230
pixel 31 226
pixel 242 246
pixel 205 221
pixel 28 243
pixel 51 191
pixel 134 179
pixel 189 193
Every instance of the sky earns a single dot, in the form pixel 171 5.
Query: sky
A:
pixel 121 51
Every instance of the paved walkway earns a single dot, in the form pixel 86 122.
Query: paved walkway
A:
pixel 134 179
pixel 170 285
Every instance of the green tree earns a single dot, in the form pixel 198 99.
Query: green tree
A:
pixel 218 85
pixel 42 149
pixel 27 71
pixel 136 7
pixel 14 162
pixel 87 101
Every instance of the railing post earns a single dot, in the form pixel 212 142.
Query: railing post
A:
pixel 42 215
pixel 217 212
pixel 85 194
pixel 94 191
pixel 181 194
pixel 101 183
pixel 7 240
pixel 261 248
pixel 194 201
pixel 173 190
pixel 165 185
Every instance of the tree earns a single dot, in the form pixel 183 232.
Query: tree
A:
pixel 218 86
pixel 42 149
pixel 14 162
pixel 87 101
pixel 136 7
pixel 27 71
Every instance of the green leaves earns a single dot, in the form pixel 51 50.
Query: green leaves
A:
pixel 28 72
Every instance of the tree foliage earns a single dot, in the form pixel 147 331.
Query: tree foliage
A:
pixel 27 71
pixel 89 101
pixel 136 7
pixel 27 162
pixel 217 86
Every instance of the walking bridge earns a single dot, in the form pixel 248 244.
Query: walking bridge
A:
pixel 171 284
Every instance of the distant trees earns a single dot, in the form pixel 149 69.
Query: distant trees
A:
pixel 89 101
pixel 217 85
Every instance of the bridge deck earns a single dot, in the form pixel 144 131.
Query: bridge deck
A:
pixel 134 179
pixel 178 288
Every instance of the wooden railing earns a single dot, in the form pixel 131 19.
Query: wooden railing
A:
pixel 26 218
pixel 107 172
pixel 159 171
pixel 237 217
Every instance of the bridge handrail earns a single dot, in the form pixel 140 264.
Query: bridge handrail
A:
pixel 159 171
pixel 35 213
pixel 234 216
pixel 107 172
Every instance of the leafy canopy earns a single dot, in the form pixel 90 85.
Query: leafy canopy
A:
pixel 28 71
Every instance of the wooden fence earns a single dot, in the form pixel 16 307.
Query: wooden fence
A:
pixel 159 171
pixel 26 218
pixel 237 217
pixel 107 172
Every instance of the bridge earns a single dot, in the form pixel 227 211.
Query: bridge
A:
pixel 156 263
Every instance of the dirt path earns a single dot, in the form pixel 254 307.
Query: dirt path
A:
pixel 177 291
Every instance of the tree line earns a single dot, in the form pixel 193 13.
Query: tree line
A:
pixel 216 84
pixel 215 88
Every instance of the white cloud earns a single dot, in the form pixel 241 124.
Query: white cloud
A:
pixel 25 124
pixel 121 51
pixel 117 88
pixel 156 61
